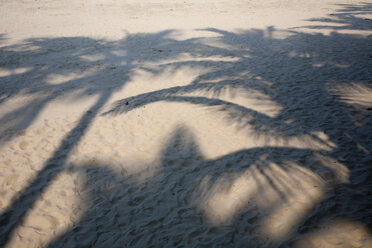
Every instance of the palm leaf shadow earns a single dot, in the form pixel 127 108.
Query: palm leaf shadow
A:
pixel 169 209
pixel 295 53
pixel 12 216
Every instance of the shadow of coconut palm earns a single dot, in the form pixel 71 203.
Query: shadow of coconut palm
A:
pixel 66 56
pixel 233 200
pixel 243 198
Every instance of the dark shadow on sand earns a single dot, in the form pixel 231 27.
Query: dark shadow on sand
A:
pixel 165 211
pixel 295 72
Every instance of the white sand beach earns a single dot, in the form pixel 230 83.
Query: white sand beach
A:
pixel 185 123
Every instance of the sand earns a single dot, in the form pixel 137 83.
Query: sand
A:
pixel 185 123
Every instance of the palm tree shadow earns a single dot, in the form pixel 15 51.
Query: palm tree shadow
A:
pixel 271 66
pixel 348 17
pixel 20 119
pixel 301 73
pixel 31 69
pixel 181 204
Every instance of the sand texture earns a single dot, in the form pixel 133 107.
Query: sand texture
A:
pixel 185 123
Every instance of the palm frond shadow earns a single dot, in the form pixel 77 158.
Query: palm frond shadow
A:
pixel 348 17
pixel 176 206
pixel 302 69
pixel 293 72
pixel 17 121
pixel 88 61
pixel 294 75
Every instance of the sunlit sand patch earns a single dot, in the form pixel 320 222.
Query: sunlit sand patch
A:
pixel 342 66
pixel 355 94
pixel 7 72
pixel 55 79
pixel 93 58
pixel 119 53
pixel 336 233
pixel 190 34
pixel 146 81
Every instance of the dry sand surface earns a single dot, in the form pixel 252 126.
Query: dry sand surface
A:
pixel 185 123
